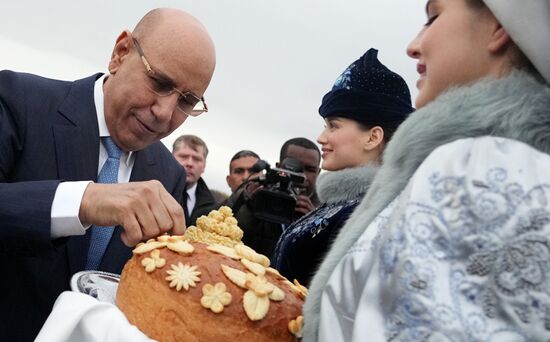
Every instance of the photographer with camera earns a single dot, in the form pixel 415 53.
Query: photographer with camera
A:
pixel 275 197
pixel 365 106
pixel 240 168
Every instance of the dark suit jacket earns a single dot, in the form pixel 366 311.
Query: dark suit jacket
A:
pixel 48 134
pixel 205 202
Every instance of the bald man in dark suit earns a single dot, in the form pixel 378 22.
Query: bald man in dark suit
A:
pixel 56 202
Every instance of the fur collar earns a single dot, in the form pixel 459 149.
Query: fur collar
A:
pixel 515 107
pixel 344 185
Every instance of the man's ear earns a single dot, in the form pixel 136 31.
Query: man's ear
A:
pixel 123 47
pixel 374 139
pixel 227 180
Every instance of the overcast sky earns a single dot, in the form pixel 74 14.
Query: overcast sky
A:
pixel 275 59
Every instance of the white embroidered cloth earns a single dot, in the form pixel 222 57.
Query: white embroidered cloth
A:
pixel 462 254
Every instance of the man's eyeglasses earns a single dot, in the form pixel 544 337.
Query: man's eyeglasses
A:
pixel 188 102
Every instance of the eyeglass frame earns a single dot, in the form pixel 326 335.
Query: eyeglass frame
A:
pixel 151 71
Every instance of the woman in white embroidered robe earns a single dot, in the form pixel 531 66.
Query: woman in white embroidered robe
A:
pixel 454 244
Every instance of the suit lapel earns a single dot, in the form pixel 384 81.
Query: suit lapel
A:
pixel 77 151
pixel 143 169
pixel 204 199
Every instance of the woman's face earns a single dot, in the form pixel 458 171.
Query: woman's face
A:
pixel 343 144
pixel 451 48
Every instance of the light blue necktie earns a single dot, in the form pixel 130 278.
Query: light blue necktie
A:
pixel 100 236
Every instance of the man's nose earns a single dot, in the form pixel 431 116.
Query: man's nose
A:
pixel 164 107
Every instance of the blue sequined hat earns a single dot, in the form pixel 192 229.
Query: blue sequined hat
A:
pixel 369 93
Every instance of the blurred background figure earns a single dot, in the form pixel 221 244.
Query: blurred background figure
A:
pixel 240 168
pixel 219 196
pixel 307 153
pixel 256 203
pixel 191 152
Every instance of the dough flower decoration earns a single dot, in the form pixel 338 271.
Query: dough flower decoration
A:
pixel 154 262
pixel 299 289
pixel 175 243
pixel 215 297
pixel 183 276
pixel 295 326
pixel 180 246
pixel 255 306
pixel 260 292
pixel 248 253
pixel 223 250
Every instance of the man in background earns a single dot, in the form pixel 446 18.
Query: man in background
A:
pixel 240 168
pixel 191 152
pixel 260 234
pixel 307 153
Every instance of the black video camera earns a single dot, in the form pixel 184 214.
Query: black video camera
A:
pixel 276 201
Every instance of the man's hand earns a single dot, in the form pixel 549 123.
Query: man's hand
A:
pixel 143 209
pixel 251 189
pixel 303 204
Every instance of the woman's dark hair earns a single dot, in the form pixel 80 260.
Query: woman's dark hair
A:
pixel 388 130
pixel 478 4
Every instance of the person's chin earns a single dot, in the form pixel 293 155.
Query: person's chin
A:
pixel 327 166
pixel 421 100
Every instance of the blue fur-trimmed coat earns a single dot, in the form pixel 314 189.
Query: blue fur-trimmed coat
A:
pixel 304 243
pixel 452 240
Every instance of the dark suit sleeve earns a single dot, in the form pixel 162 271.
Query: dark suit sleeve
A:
pixel 177 190
pixel 25 207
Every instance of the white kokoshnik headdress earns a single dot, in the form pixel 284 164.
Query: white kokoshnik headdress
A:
pixel 528 24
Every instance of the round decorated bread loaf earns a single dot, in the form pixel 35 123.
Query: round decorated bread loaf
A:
pixel 175 288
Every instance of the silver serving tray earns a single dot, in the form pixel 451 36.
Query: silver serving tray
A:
pixel 100 285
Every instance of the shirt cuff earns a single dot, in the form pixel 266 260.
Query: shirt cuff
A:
pixel 65 209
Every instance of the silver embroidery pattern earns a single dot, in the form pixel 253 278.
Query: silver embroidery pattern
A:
pixel 489 242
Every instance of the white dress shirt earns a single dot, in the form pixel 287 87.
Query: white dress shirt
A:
pixel 191 198
pixel 68 196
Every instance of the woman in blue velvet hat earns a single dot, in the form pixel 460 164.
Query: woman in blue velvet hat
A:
pixel 361 112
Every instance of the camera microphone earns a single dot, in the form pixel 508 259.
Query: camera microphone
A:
pixel 292 164
pixel 260 165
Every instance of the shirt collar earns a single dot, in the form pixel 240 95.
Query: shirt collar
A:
pixel 192 190
pixel 99 101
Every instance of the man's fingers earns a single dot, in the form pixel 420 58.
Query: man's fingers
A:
pixel 143 209
pixel 132 234
pixel 304 204
pixel 175 211
pixel 163 220
pixel 150 212
pixel 302 210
